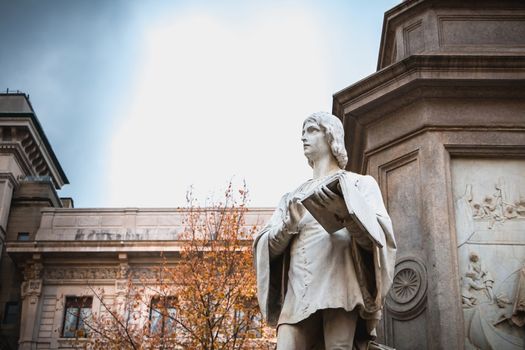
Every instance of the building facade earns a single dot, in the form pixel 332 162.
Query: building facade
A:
pixel 54 256
pixel 440 126
pixel 30 175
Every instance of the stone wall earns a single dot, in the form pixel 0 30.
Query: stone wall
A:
pixel 440 122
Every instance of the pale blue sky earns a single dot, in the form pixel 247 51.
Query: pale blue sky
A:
pixel 141 99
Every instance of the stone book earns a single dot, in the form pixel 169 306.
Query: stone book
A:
pixel 359 210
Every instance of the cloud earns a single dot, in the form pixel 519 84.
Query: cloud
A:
pixel 214 100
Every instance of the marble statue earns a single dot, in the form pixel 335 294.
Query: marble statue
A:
pixel 324 290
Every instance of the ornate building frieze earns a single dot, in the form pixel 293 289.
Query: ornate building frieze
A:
pixel 81 273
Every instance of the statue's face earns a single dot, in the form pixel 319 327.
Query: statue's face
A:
pixel 315 144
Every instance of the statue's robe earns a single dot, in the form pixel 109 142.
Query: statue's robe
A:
pixel 368 269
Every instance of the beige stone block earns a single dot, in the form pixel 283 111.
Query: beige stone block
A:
pixel 47 319
pixel 112 220
pixel 484 31
pixel 64 221
pixel 46 327
pixel 88 221
pixel 146 220
pixel 8 164
pixel 48 307
pixel 169 220
pixel 44 345
pixel 50 301
pixel 47 220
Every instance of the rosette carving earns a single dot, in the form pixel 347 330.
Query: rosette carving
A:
pixel 407 296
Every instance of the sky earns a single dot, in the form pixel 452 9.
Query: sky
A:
pixel 142 99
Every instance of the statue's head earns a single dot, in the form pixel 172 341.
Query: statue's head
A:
pixel 334 133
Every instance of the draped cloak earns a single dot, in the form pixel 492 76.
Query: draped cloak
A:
pixel 373 266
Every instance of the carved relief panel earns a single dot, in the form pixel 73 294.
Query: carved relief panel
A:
pixel 489 204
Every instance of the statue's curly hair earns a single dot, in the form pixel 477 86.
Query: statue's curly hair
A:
pixel 333 129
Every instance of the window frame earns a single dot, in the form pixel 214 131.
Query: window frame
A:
pixel 8 317
pixel 23 236
pixel 79 303
pixel 167 320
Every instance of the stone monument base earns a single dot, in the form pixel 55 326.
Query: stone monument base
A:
pixel 376 346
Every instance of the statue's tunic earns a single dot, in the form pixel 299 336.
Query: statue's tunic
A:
pixel 314 270
pixel 320 268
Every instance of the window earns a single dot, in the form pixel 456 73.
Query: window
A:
pixel 256 326
pixel 77 312
pixel 23 236
pixel 11 312
pixel 162 315
pixel 254 323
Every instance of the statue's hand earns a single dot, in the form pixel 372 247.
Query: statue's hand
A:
pixel 294 215
pixel 331 202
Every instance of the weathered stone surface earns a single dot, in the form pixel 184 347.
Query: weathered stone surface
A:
pixel 489 205
pixel 447 93
pixel 444 27
pixel 122 224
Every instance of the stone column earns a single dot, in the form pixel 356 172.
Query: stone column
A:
pixel 31 291
pixel 121 283
pixel 7 186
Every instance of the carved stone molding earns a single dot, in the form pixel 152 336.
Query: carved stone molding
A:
pixel 80 273
pixel 33 269
pixel 120 272
pixel 407 296
pixel 31 289
pixel 121 285
pixel 123 271
pixel 144 273
pixel 28 150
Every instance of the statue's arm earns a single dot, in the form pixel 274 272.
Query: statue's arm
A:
pixel 369 188
pixel 278 236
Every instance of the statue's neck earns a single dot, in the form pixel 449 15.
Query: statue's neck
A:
pixel 325 166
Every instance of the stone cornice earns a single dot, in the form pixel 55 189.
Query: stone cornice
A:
pixel 438 69
pixel 39 156
pixel 74 211
pixel 418 82
pixel 99 248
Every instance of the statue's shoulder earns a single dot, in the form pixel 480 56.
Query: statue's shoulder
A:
pixel 354 177
pixel 360 180
pixel 300 189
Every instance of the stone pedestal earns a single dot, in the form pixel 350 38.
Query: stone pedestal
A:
pixel 441 127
